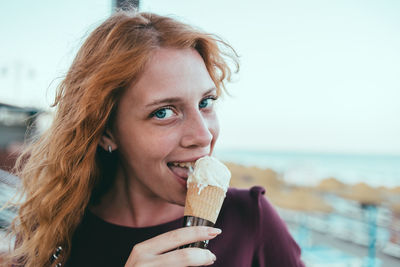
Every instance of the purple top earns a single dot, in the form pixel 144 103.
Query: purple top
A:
pixel 253 234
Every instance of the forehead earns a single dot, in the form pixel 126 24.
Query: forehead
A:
pixel 171 73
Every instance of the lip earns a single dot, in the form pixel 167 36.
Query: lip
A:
pixel 180 180
pixel 189 159
pixel 183 181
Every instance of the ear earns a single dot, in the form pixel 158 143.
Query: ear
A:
pixel 107 141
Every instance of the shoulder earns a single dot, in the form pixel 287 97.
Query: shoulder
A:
pixel 245 207
pixel 247 218
pixel 274 243
pixel 252 205
pixel 252 193
pixel 247 200
pixel 239 221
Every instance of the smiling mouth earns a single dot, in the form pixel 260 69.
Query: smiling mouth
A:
pixel 181 169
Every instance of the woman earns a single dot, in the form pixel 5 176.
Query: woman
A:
pixel 103 184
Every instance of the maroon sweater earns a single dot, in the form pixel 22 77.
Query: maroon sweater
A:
pixel 253 234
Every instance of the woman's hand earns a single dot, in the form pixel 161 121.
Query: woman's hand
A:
pixel 159 251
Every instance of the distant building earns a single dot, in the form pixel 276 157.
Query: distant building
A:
pixel 16 124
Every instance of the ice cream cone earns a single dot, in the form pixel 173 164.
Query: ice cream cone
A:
pixel 204 203
pixel 206 188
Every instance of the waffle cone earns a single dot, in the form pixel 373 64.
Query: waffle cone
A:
pixel 205 205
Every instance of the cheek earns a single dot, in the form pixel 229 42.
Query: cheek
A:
pixel 156 142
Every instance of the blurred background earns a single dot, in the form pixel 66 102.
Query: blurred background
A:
pixel 313 114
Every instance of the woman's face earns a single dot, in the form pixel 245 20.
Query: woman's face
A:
pixel 165 119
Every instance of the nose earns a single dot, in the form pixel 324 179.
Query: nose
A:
pixel 196 131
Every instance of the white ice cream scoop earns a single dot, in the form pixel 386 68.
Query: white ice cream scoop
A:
pixel 210 171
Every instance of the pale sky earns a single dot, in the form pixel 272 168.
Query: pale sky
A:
pixel 316 75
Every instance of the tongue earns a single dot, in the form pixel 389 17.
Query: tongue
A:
pixel 180 171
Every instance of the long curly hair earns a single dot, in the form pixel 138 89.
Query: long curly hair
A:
pixel 64 170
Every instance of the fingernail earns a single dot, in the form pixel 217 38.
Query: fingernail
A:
pixel 214 258
pixel 214 231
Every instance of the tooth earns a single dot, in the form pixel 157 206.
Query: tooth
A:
pixel 183 164
pixel 188 165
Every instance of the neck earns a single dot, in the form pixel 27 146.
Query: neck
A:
pixel 125 205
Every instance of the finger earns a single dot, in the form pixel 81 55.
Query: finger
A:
pixel 176 238
pixel 186 257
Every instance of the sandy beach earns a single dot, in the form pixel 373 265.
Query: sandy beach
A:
pixel 332 218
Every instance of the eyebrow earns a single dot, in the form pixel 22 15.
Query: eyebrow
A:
pixel 171 100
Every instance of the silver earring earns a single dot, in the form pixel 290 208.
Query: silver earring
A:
pixel 109 149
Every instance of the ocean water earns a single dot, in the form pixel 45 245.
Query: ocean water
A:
pixel 311 168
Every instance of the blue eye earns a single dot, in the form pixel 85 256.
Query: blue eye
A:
pixel 163 113
pixel 206 102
